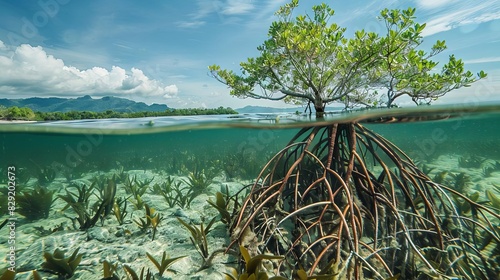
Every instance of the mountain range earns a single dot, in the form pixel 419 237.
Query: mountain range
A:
pixel 85 103
pixel 117 104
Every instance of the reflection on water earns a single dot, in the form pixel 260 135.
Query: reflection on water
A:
pixel 64 171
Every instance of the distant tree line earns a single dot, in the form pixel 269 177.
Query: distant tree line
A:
pixel 24 113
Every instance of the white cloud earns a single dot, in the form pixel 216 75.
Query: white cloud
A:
pixel 190 24
pixel 237 7
pixel 30 70
pixel 461 14
pixel 483 60
pixel 226 10
pixel 171 90
pixel 2 46
pixel 432 4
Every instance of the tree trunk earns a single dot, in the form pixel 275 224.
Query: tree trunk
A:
pixel 389 102
pixel 320 110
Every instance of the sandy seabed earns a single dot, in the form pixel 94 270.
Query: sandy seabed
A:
pixel 127 244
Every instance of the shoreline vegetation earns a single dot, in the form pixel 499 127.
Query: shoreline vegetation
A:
pixel 15 113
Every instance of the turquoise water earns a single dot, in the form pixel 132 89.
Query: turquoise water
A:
pixel 103 143
pixel 231 150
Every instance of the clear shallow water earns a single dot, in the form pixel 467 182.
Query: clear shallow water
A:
pixel 423 133
pixel 235 147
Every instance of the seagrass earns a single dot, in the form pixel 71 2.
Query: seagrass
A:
pixel 344 201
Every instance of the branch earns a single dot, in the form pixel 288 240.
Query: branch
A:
pixel 258 96
pixel 296 94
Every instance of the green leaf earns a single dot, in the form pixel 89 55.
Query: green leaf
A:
pixel 131 272
pixel 302 274
pixel 60 265
pixel 251 264
pixel 107 269
pixel 474 197
pixel 165 262
pixel 193 230
pixel 8 275
pixel 35 274
pixel 494 200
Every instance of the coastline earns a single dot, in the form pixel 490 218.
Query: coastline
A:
pixel 16 121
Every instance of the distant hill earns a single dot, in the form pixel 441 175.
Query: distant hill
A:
pixel 85 103
pixel 260 109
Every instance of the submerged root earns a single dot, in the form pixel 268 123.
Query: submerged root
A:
pixel 342 200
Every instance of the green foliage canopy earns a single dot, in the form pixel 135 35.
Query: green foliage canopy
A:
pixel 405 70
pixel 16 113
pixel 308 60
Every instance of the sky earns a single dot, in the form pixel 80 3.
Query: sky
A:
pixel 159 51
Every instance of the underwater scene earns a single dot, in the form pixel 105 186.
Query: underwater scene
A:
pixel 380 194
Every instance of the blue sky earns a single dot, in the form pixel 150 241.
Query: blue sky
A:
pixel 158 51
